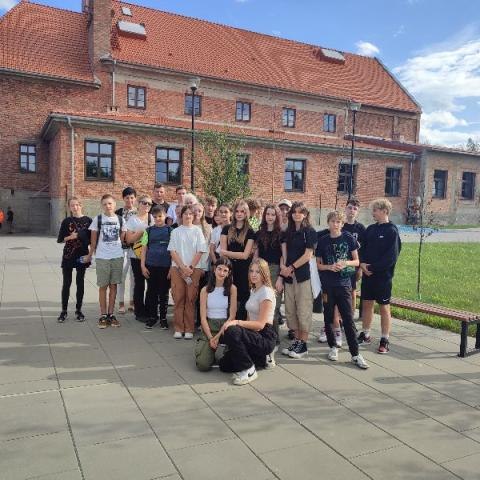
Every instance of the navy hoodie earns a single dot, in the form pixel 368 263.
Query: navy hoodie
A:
pixel 380 248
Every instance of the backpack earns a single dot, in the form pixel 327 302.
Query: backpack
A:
pixel 99 226
pixel 137 246
pixel 148 230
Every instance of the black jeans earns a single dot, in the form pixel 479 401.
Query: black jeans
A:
pixel 246 348
pixel 67 282
pixel 139 288
pixel 156 300
pixel 342 298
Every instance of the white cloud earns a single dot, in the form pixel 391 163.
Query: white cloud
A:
pixel 400 31
pixel 277 33
pixel 7 4
pixel 443 81
pixel 367 49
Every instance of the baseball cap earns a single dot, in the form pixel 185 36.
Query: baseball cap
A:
pixel 286 202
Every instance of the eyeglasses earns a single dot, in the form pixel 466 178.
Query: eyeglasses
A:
pixel 146 203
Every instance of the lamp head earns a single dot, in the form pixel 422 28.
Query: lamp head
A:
pixel 354 106
pixel 194 84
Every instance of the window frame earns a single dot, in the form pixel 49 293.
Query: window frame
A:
pixel 287 110
pixel 326 124
pixel 392 179
pixel 472 185
pixel 28 154
pixel 303 171
pixel 243 104
pixel 99 156
pixel 137 88
pixel 199 114
pixel 346 176
pixel 167 161
pixel 445 185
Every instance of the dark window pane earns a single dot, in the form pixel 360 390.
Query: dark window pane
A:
pixel 161 177
pixel 161 167
pixel 174 172
pixel 92 147
pixel 188 105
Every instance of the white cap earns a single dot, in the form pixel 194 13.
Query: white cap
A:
pixel 286 202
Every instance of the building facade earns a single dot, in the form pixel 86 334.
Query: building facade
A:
pixel 99 100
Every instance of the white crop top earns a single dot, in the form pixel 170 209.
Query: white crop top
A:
pixel 217 304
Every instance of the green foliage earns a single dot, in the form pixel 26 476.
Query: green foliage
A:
pixel 472 145
pixel 450 272
pixel 221 167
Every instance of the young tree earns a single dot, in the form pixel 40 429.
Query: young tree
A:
pixel 472 145
pixel 221 167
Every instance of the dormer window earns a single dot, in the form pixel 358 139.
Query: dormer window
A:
pixel 137 97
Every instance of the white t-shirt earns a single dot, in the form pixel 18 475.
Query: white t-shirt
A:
pixel 187 241
pixel 215 237
pixel 171 212
pixel 217 304
pixel 256 298
pixel 109 244
pixel 204 263
pixel 135 224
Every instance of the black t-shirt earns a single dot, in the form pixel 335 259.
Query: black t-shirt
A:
pixel 332 250
pixel 272 252
pixel 165 205
pixel 77 248
pixel 235 246
pixel 297 242
pixel 9 215
pixel 356 230
pixel 211 221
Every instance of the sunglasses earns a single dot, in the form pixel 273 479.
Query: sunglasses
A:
pixel 146 203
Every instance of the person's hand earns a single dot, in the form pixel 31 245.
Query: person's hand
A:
pixel 187 271
pixel 213 342
pixel 279 285
pixel 145 272
pixel 229 323
pixel 365 270
pixel 73 236
pixel 169 274
pixel 338 266
pixel 87 258
pixel 286 271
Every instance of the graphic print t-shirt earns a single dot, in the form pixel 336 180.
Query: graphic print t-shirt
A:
pixel 109 244
pixel 333 250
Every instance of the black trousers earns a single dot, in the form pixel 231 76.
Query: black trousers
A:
pixel 158 285
pixel 67 283
pixel 246 348
pixel 342 298
pixel 139 288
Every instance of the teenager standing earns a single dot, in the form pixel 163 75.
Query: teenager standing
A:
pixel 223 216
pixel 236 243
pixel 76 236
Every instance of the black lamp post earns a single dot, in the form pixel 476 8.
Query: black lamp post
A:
pixel 354 107
pixel 194 84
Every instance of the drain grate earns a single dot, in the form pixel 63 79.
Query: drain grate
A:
pixel 19 248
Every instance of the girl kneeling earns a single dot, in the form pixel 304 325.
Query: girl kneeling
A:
pixel 250 343
pixel 218 302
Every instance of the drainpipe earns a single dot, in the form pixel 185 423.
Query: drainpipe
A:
pixel 72 157
pixel 113 85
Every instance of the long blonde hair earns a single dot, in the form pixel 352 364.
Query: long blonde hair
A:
pixel 233 235
pixel 264 272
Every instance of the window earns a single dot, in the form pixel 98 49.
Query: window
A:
pixel 392 182
pixel 344 176
pixel 294 175
pixel 188 105
pixel 329 123
pixel 439 184
pixel 28 158
pixel 137 97
pixel 243 112
pixel 243 158
pixel 99 160
pixel 168 165
pixel 468 185
pixel 288 117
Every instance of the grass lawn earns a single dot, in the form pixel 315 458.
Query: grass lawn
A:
pixel 457 227
pixel 450 277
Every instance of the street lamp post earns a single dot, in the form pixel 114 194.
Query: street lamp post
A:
pixel 354 107
pixel 194 84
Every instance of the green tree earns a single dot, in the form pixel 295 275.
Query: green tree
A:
pixel 472 145
pixel 221 167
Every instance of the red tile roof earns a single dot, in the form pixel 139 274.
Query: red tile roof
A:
pixel 208 49
pixel 47 41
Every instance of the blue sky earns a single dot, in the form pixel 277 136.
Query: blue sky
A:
pixel 433 46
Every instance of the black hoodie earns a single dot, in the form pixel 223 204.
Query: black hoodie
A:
pixel 380 248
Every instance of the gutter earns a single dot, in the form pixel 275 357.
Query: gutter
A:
pixel 72 157
pixel 19 73
pixel 113 84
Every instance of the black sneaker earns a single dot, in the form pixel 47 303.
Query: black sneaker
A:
pixel 112 320
pixel 281 320
pixel 140 318
pixel 291 335
pixel 363 339
pixel 62 317
pixel 163 324
pixel 299 351
pixel 150 323
pixel 286 351
pixel 384 346
pixel 79 316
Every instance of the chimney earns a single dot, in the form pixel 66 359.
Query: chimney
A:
pixel 100 13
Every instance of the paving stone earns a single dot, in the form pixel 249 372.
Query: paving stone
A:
pixel 149 377
pixel 466 467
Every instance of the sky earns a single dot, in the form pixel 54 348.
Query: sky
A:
pixel 432 46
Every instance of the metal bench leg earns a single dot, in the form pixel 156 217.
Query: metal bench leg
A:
pixel 477 340
pixel 463 340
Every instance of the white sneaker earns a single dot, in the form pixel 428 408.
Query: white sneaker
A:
pixel 270 361
pixel 286 351
pixel 245 376
pixel 322 338
pixel 177 335
pixel 333 354
pixel 360 362
pixel 339 339
pixel 188 336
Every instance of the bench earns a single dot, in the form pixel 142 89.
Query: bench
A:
pixel 466 318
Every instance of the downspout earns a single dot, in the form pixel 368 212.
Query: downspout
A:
pixel 113 85
pixel 72 157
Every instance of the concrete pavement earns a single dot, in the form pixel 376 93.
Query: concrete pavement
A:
pixel 80 403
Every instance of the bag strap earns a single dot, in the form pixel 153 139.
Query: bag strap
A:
pixel 99 228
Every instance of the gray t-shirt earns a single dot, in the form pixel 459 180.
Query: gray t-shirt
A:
pixel 257 296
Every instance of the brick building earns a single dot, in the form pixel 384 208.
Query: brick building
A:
pixel 98 100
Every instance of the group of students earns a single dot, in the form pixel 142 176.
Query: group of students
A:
pixel 228 269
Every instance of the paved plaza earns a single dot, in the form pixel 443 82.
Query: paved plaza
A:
pixel 80 403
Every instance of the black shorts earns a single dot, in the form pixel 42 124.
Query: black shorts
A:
pixel 353 281
pixel 378 289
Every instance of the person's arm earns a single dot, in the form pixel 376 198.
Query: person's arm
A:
pixel 63 233
pixel 284 270
pixel 255 251
pixel 185 269
pixel 133 236
pixel 223 245
pixel 389 258
pixel 265 311
pixel 143 256
pixel 247 251
pixel 203 314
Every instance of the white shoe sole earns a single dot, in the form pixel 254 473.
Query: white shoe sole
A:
pixel 245 380
pixel 297 355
